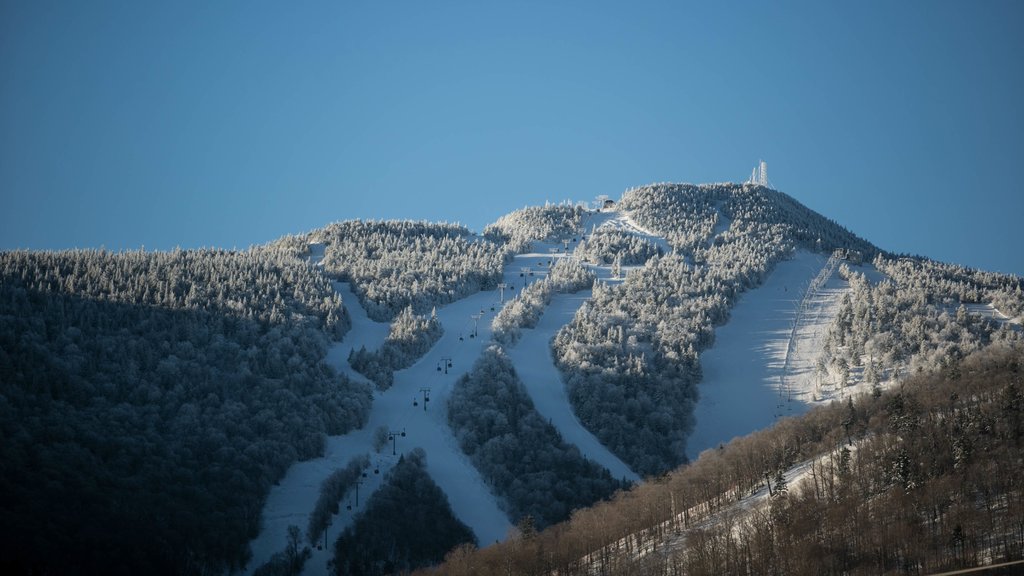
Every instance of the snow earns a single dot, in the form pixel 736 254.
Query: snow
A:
pixel 621 221
pixel 991 312
pixel 766 348
pixel 293 499
pixel 536 369
pixel 744 386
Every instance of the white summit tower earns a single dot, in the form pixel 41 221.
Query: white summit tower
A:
pixel 759 176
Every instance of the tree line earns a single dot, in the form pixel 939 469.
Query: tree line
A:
pixel 394 264
pixel 148 401
pixel 524 459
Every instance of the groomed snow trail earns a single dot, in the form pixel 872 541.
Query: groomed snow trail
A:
pixel 291 502
pixel 536 369
pixel 740 390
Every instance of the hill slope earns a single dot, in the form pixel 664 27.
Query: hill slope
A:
pixel 611 331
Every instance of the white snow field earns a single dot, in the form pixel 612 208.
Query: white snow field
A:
pixel 748 382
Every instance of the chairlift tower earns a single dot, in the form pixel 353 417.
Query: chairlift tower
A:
pixel 393 436
pixel 476 322
pixel 426 398
pixel 501 288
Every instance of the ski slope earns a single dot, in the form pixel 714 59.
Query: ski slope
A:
pixel 746 386
pixel 293 499
pixel 760 368
pixel 531 356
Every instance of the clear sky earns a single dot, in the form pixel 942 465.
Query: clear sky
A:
pixel 226 124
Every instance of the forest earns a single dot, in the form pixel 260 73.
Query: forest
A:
pixel 518 229
pixel 522 457
pixel 630 357
pixel 150 400
pixel 914 319
pixel 394 264
pixel 923 478
pixel 407 524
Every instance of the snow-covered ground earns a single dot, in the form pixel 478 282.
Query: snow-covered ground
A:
pixel 292 500
pixel 990 311
pixel 746 385
pixel 620 220
pixel 536 369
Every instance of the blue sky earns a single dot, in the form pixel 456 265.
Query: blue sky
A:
pixel 227 124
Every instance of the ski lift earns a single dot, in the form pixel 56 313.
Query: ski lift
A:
pixel 349 507
pixel 438 366
pixel 376 469
pixel 449 363
pixel 364 474
pixel 415 402
pixel 492 308
pixel 461 339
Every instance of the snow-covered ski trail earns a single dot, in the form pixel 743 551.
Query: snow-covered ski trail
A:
pixel 531 356
pixel 291 502
pixel 740 391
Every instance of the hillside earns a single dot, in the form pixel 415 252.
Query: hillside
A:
pixel 921 479
pixel 267 396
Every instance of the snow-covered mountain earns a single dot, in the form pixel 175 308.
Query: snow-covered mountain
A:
pixel 280 401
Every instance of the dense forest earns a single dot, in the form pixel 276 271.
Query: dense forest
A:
pixel 915 318
pixel 522 457
pixel 407 524
pixel 603 248
pixel 148 401
pixel 395 264
pixel 923 478
pixel 518 229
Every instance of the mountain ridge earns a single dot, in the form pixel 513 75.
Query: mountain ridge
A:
pixel 670 262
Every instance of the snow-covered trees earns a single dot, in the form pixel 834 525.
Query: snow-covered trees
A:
pixel 332 490
pixel 916 318
pixel 410 338
pixel 517 229
pixel 630 356
pixel 524 311
pixel 407 524
pixel 924 479
pixel 521 456
pixel 615 246
pixel 181 384
pixel 395 264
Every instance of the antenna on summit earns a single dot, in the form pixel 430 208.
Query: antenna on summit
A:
pixel 759 176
